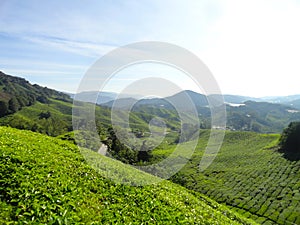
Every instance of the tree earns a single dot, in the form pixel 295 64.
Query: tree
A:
pixel 118 150
pixel 45 115
pixel 13 105
pixel 43 99
pixel 289 141
pixel 239 121
pixel 3 108
pixel 144 153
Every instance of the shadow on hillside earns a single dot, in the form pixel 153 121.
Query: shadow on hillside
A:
pixel 291 156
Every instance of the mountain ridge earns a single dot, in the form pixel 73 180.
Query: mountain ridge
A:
pixel 16 93
pixel 35 103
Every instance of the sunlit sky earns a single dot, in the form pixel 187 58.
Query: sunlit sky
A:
pixel 252 47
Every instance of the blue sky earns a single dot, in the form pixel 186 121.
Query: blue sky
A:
pixel 251 46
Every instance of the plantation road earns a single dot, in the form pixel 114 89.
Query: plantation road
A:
pixel 103 149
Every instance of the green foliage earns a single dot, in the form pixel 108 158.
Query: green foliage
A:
pixel 45 180
pixel 41 118
pixel 18 93
pixel 82 139
pixel 45 115
pixel 248 175
pixel 290 141
pixel 119 150
pixel 144 154
pixel 13 105
pixel 260 117
pixel 3 108
pixel 187 133
pixel 42 99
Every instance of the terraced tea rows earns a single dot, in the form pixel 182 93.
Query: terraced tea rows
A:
pixel 249 177
pixel 44 180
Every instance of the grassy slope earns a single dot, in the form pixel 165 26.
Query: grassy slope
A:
pixel 248 176
pixel 60 122
pixel 29 118
pixel 45 180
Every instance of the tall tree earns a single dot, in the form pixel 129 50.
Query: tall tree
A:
pixel 3 108
pixel 290 141
pixel 13 105
pixel 144 153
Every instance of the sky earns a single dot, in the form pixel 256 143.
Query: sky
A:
pixel 251 47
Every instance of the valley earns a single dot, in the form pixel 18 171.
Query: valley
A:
pixel 45 177
pixel 45 180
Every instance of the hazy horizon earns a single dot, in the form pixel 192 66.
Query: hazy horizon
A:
pixel 138 94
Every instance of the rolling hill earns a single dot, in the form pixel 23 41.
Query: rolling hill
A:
pixel 248 175
pixel 16 93
pixel 101 97
pixel 37 108
pixel 257 116
pixel 294 103
pixel 45 180
pixel 261 117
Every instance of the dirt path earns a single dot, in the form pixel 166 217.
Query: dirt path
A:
pixel 103 149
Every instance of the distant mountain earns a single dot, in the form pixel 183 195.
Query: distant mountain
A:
pixel 237 99
pixel 90 96
pixel 291 100
pixel 27 106
pixel 128 103
pixel 246 115
pixel 294 103
pixel 181 99
pixel 40 109
pixel 123 103
pixel 125 100
pixel 281 99
pixel 261 116
pixel 102 97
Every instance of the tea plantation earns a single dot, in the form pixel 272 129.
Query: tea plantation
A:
pixel 45 180
pixel 249 175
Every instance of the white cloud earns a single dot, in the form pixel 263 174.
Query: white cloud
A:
pixel 43 64
pixel 87 49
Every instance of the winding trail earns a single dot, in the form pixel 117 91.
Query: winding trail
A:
pixel 103 149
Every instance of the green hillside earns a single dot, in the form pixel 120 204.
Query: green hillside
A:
pixel 248 175
pixel 40 109
pixel 261 117
pixel 36 108
pixel 55 118
pixel 16 93
pixel 45 180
